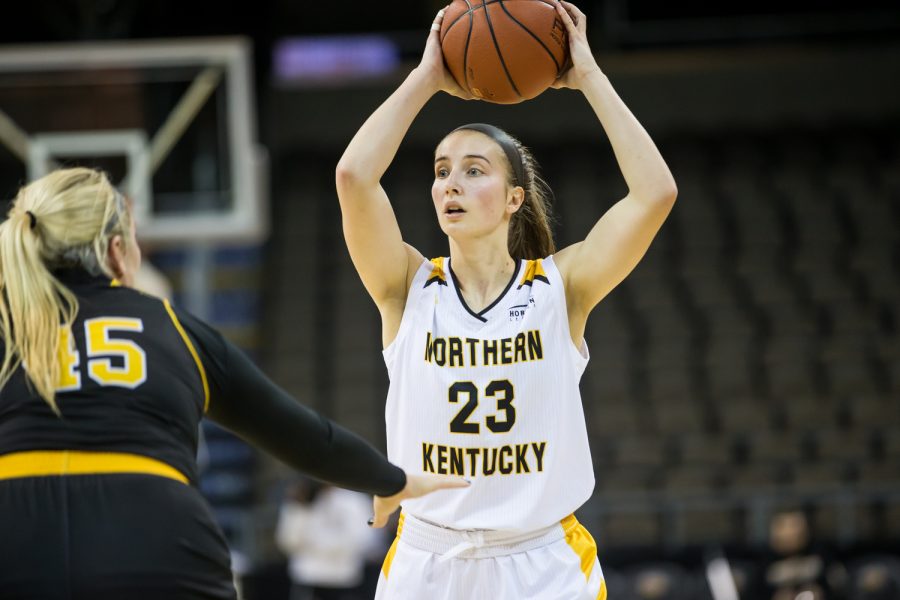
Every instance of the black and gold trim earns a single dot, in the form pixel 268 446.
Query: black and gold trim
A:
pixel 192 350
pixel 437 273
pixel 43 463
pixel 534 271
pixel 480 315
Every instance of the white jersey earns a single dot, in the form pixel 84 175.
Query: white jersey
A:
pixel 492 396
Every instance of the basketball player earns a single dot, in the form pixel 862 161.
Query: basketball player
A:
pixel 99 417
pixel 485 348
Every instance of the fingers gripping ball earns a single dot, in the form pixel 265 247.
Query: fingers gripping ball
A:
pixel 504 51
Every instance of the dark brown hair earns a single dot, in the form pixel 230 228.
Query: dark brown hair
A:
pixel 530 234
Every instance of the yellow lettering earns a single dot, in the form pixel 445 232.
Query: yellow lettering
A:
pixel 69 377
pixel 132 371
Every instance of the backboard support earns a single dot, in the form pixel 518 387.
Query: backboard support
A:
pixel 181 114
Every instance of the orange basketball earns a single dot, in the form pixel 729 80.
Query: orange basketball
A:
pixel 504 51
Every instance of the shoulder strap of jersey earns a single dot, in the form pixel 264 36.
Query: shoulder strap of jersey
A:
pixel 437 274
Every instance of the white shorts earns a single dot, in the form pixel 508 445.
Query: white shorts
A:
pixel 435 563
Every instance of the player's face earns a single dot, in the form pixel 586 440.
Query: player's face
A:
pixel 471 192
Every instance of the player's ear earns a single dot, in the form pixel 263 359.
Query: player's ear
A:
pixel 514 199
pixel 115 256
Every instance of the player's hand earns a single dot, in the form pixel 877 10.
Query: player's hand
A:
pixel 582 59
pixel 432 64
pixel 416 485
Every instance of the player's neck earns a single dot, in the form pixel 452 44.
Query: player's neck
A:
pixel 481 272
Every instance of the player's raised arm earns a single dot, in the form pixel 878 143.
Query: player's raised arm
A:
pixel 370 227
pixel 620 238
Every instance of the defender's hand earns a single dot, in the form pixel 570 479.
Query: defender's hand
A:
pixel 416 486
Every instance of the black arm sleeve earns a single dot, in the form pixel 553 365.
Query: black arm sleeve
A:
pixel 247 402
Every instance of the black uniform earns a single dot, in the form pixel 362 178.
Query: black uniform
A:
pixel 101 502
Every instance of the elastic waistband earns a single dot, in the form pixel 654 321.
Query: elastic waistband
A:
pixel 43 463
pixel 450 543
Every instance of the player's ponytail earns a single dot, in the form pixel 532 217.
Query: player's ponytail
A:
pixel 530 234
pixel 64 219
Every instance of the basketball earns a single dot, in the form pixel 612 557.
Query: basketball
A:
pixel 504 51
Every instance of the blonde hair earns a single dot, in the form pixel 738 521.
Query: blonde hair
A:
pixel 64 219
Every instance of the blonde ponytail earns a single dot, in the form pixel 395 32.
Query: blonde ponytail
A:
pixel 64 219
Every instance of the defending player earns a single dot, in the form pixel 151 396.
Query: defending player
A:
pixel 485 348
pixel 101 391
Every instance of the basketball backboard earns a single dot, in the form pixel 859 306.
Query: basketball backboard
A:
pixel 172 122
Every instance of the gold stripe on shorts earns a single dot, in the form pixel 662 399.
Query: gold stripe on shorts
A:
pixel 582 543
pixel 389 558
pixel 42 463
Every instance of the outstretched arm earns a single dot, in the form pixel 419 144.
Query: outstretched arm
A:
pixel 247 402
pixel 385 264
pixel 618 241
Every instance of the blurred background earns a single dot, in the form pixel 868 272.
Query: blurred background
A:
pixel 743 397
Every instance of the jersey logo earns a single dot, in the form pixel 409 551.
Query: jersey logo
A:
pixel 517 312
pixel 534 271
pixel 437 273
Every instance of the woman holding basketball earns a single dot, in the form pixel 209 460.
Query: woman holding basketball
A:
pixel 485 348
